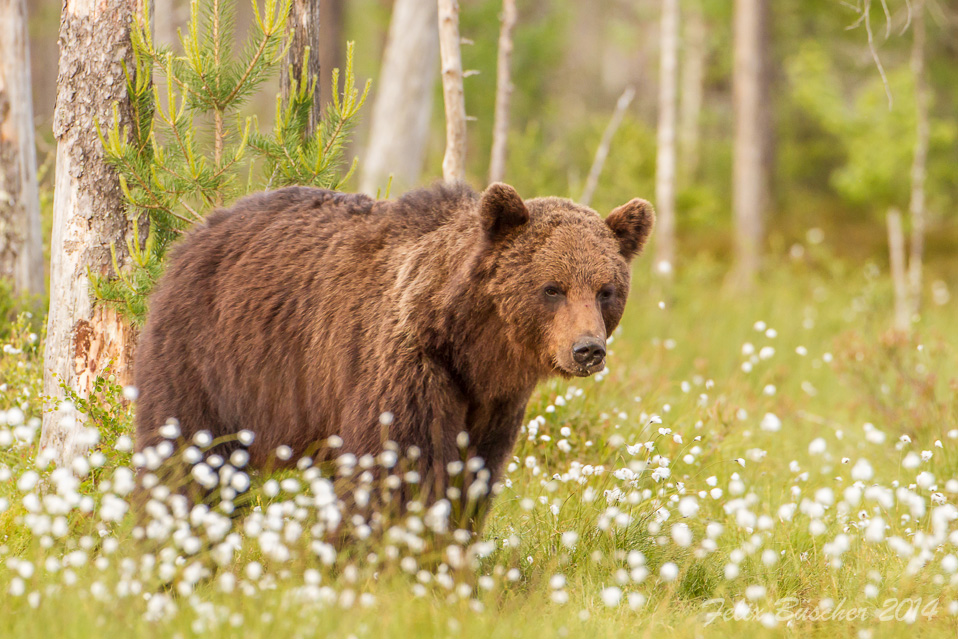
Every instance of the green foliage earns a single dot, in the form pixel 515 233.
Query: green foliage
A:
pixel 832 367
pixel 105 409
pixel 874 144
pixel 21 366
pixel 291 154
pixel 16 309
pixel 189 150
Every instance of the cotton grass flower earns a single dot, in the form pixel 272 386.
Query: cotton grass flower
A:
pixel 611 596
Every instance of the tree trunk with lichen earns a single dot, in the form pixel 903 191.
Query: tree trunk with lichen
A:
pixel 21 247
pixel 304 22
pixel 83 338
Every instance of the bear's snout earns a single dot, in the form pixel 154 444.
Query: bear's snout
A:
pixel 589 352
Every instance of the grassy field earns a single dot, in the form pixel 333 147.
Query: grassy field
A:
pixel 777 462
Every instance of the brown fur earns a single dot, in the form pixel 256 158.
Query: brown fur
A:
pixel 304 313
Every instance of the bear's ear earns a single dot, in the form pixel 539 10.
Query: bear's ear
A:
pixel 501 210
pixel 632 224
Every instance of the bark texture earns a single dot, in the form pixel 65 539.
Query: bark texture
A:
pixel 21 247
pixel 749 172
pixel 916 205
pixel 83 338
pixel 665 138
pixel 500 127
pixel 404 96
pixel 304 21
pixel 454 160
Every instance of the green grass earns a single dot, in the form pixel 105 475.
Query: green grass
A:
pixel 558 536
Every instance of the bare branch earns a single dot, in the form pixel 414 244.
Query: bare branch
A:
pixel 874 54
pixel 603 151
pixel 907 17
pixel 884 6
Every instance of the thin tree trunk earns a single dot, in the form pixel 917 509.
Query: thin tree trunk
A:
pixel 21 247
pixel 665 139
pixel 602 152
pixel 500 128
pixel 749 176
pixel 896 259
pixel 916 206
pixel 88 212
pixel 404 97
pixel 694 52
pixel 304 21
pixel 454 160
pixel 332 44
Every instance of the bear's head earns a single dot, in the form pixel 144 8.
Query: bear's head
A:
pixel 559 274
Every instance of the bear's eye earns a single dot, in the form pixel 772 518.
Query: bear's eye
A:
pixel 606 293
pixel 552 291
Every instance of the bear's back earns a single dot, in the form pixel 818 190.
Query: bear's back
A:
pixel 296 285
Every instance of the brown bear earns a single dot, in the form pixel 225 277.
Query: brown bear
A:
pixel 303 313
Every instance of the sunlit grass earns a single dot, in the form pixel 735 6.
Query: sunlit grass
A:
pixel 748 464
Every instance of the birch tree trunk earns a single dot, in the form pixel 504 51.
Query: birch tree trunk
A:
pixel 665 139
pixel 21 247
pixel 304 21
pixel 404 96
pixel 332 44
pixel 454 160
pixel 916 206
pixel 694 52
pixel 88 212
pixel 500 127
pixel 749 177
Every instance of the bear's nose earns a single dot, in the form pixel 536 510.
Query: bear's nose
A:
pixel 588 351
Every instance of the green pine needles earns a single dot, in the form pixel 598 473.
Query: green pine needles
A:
pixel 189 148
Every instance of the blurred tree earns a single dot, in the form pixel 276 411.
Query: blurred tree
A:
pixel 88 210
pixel 302 56
pixel 665 140
pixel 166 20
pixel 750 170
pixel 692 77
pixel 21 247
pixel 403 106
pixel 332 43
pixel 919 170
